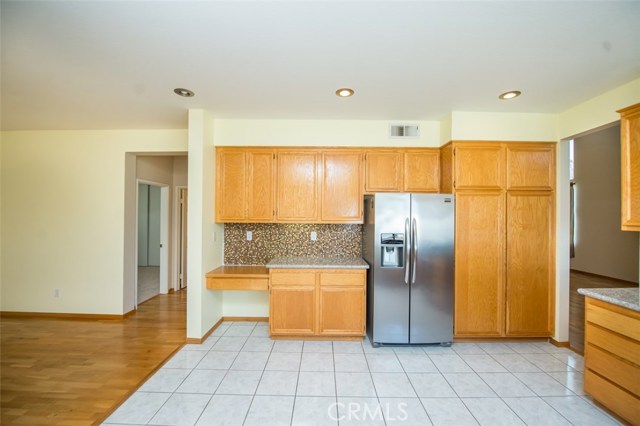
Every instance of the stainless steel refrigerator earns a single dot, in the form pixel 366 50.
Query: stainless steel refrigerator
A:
pixel 408 243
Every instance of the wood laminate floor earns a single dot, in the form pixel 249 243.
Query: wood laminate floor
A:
pixel 76 372
pixel 576 302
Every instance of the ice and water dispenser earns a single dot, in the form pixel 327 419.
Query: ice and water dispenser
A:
pixel 392 246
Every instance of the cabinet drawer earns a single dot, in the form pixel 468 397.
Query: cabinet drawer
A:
pixel 613 368
pixel 299 277
pixel 614 321
pixel 611 396
pixel 342 278
pixel 621 346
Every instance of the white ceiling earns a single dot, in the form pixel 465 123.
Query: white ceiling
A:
pixel 114 64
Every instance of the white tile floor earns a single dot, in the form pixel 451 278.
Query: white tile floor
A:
pixel 239 376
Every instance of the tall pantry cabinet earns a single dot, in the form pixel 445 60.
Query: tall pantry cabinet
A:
pixel 505 247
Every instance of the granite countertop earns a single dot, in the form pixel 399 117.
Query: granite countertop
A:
pixel 317 262
pixel 625 297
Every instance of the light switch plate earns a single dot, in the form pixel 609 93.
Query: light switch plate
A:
pixel 249 235
pixel 314 235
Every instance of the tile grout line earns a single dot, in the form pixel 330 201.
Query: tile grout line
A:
pixel 413 387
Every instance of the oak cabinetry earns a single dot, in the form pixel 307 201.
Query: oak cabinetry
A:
pixel 529 298
pixel 320 302
pixel 342 300
pixel 402 170
pixel 446 169
pixel 383 171
pixel 505 246
pixel 612 358
pixel 244 185
pixel 479 263
pixel 298 184
pixel 341 198
pixel 292 303
pixel 630 167
pixel 421 171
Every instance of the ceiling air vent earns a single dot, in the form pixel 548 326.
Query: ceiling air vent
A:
pixel 404 131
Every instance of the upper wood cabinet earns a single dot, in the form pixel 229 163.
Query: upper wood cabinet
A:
pixel 478 166
pixel 530 166
pixel 402 170
pixel 298 186
pixel 383 171
pixel 630 167
pixel 244 185
pixel 341 198
pixel 421 171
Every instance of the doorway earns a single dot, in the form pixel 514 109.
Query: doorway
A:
pixel 152 231
pixel 601 254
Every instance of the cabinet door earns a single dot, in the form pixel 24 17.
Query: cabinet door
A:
pixel 231 182
pixel 341 187
pixel 292 310
pixel 630 156
pixel 531 166
pixel 446 169
pixel 479 166
pixel 422 171
pixel 530 264
pixel 297 192
pixel 383 171
pixel 479 264
pixel 261 186
pixel 342 310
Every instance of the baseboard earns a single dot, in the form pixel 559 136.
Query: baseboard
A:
pixel 498 339
pixel 558 344
pixel 195 340
pixel 56 315
pixel 248 319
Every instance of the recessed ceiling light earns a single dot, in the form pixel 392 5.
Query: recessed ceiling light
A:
pixel 510 94
pixel 185 93
pixel 345 92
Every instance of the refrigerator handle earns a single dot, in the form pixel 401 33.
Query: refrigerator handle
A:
pixel 414 256
pixel 407 250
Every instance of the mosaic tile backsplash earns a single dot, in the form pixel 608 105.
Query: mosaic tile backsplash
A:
pixel 278 239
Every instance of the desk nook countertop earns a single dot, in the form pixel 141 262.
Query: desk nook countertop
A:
pixel 240 277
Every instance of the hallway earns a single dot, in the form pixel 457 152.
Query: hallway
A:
pixel 76 371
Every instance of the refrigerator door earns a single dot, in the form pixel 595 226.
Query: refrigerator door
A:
pixel 390 291
pixel 431 310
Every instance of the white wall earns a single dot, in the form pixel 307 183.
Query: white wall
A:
pixel 491 126
pixel 601 247
pixel 205 239
pixel 63 216
pixel 320 133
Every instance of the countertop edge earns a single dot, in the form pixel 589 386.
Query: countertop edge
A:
pixel 615 296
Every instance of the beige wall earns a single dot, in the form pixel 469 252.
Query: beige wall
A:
pixel 63 216
pixel 601 247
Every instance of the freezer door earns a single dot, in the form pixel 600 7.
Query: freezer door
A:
pixel 390 291
pixel 431 306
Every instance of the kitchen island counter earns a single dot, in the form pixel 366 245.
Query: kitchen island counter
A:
pixel 317 262
pixel 623 297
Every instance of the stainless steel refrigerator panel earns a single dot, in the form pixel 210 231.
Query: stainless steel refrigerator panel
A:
pixel 432 276
pixel 391 292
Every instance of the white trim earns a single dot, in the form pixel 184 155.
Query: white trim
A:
pixel 175 249
pixel 164 233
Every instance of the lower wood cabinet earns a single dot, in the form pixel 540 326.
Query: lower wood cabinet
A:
pixel 317 302
pixel 612 358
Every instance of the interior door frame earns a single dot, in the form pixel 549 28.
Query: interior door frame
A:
pixel 164 234
pixel 175 280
